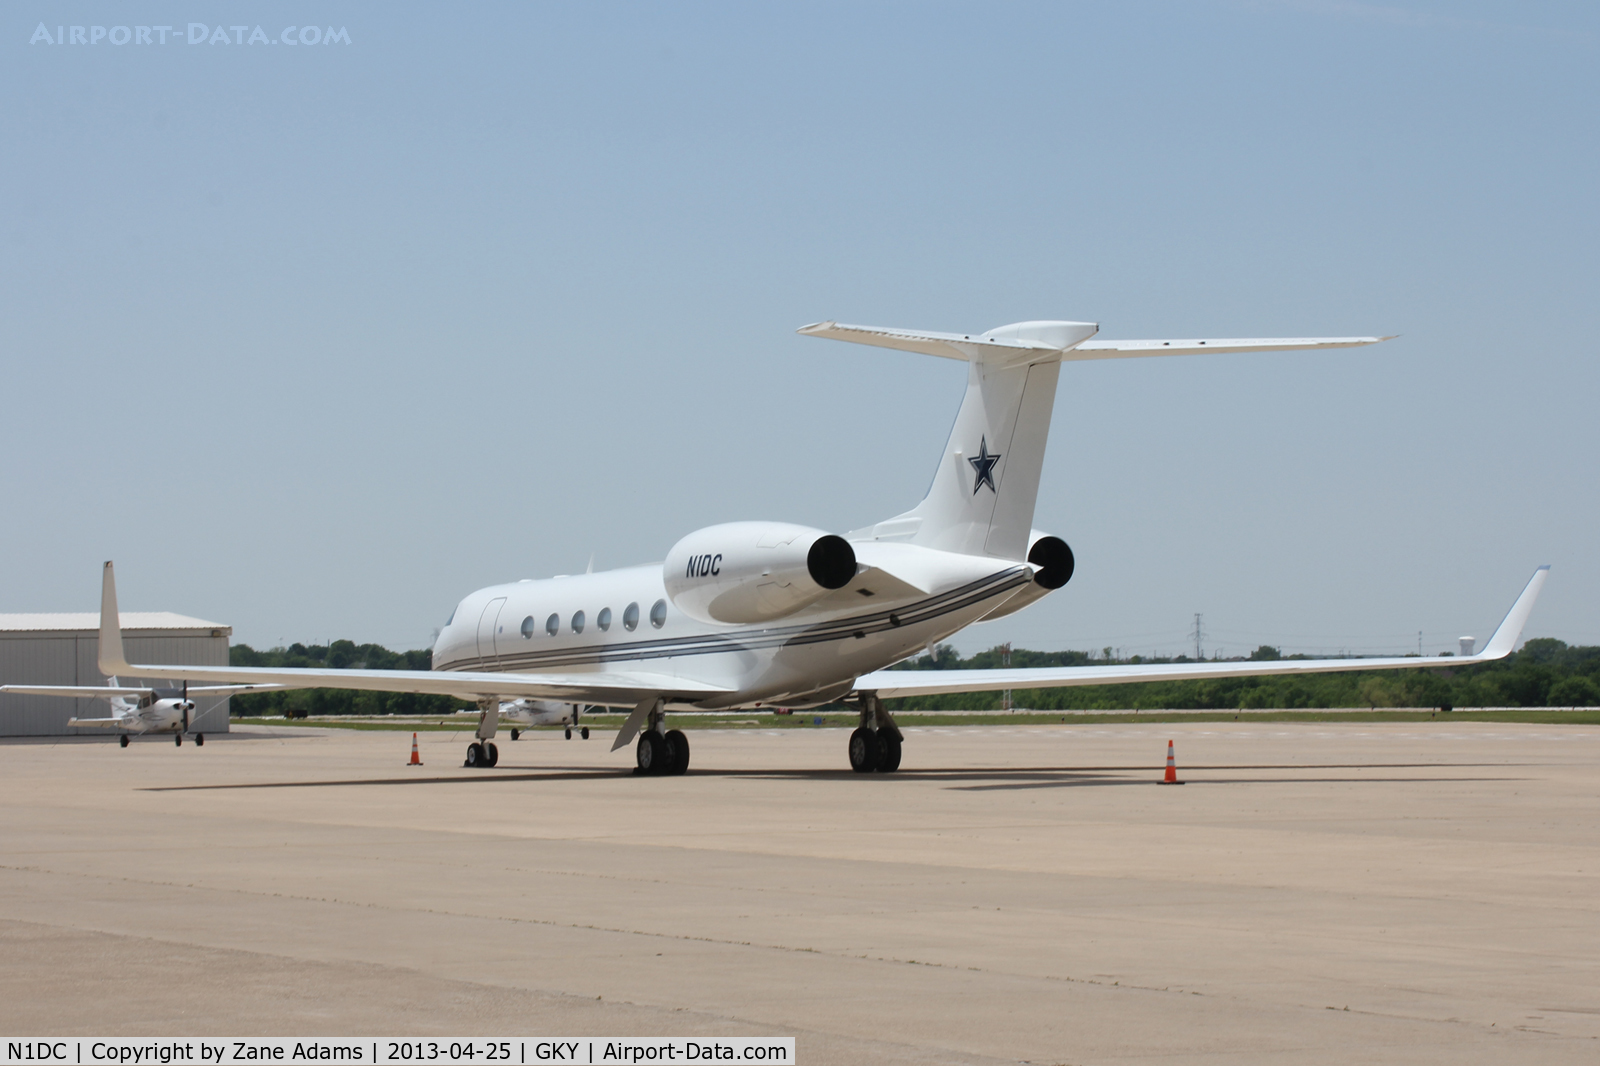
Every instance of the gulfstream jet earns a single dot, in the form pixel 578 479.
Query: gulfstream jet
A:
pixel 753 614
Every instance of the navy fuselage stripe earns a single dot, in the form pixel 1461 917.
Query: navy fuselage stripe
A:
pixel 751 639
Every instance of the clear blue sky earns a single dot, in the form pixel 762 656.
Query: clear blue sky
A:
pixel 314 340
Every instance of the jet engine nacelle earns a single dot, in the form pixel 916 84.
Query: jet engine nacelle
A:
pixel 755 571
pixel 1055 564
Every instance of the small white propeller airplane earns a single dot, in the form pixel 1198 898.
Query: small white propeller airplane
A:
pixel 141 710
pixel 754 614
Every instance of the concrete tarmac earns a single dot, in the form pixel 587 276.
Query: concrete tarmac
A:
pixel 1409 892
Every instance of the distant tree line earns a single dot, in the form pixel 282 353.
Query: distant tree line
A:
pixel 1544 673
pixel 340 655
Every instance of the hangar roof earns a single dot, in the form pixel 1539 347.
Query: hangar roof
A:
pixel 88 621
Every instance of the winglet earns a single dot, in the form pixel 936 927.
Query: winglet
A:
pixel 112 660
pixel 1505 638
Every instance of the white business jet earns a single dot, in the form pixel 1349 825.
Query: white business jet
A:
pixel 141 710
pixel 517 715
pixel 753 614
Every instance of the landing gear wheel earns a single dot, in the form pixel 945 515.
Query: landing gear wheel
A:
pixel 199 740
pixel 476 756
pixel 866 751
pixel 491 754
pixel 123 739
pixel 584 732
pixel 515 733
pixel 569 732
pixel 890 745
pixel 678 748
pixel 178 740
pixel 650 753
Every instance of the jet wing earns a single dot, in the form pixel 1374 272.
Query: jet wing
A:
pixel 92 691
pixel 612 688
pixel 889 684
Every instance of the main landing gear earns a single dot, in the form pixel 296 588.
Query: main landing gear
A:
pixel 660 752
pixel 123 739
pixel 515 733
pixel 875 745
pixel 482 755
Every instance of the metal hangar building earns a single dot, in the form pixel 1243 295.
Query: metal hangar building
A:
pixel 61 649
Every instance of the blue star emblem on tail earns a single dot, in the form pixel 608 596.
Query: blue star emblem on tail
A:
pixel 983 463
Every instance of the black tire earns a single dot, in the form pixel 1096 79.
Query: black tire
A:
pixel 515 733
pixel 199 740
pixel 865 751
pixel 476 756
pixel 678 744
pixel 890 745
pixel 651 752
pixel 493 752
pixel 569 732
pixel 124 739
pixel 584 732
pixel 178 740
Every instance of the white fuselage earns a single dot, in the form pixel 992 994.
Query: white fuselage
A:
pixel 810 656
pixel 150 715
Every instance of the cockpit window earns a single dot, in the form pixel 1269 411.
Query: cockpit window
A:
pixel 552 625
pixel 577 622
pixel 527 627
pixel 658 614
pixel 603 619
pixel 630 617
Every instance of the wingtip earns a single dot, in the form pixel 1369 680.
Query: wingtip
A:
pixel 817 327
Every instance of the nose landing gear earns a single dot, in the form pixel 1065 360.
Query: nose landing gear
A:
pixel 482 753
pixel 583 730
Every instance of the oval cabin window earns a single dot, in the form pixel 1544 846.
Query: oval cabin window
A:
pixel 658 614
pixel 527 627
pixel 603 619
pixel 552 625
pixel 630 617
pixel 577 622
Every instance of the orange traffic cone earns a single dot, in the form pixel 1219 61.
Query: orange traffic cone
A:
pixel 1171 777
pixel 416 760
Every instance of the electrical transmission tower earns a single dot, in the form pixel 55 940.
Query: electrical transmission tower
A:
pixel 1197 635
